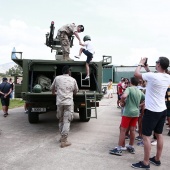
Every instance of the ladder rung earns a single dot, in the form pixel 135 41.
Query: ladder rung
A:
pixel 84 82
pixel 85 79
pixel 92 98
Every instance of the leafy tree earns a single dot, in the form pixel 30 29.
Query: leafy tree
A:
pixel 14 70
pixel 2 74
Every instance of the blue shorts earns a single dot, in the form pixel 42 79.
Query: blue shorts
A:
pixel 153 121
pixel 88 54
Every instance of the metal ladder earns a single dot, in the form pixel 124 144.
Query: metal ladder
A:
pixel 90 97
pixel 83 81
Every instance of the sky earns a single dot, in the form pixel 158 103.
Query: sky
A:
pixel 124 29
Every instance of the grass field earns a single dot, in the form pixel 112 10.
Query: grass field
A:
pixel 15 103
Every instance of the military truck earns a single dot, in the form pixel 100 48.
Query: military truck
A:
pixel 38 76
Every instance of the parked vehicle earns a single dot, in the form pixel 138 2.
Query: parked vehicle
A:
pixel 39 99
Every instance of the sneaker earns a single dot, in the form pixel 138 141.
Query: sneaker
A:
pixel 140 165
pixel 154 143
pixel 122 148
pixel 153 161
pixel 87 77
pixel 115 151
pixel 131 150
pixel 77 57
pixel 139 138
pixel 140 143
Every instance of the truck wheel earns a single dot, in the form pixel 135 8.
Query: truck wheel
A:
pixel 32 116
pixel 82 114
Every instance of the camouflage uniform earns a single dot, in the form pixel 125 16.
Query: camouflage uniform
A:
pixel 65 86
pixel 63 35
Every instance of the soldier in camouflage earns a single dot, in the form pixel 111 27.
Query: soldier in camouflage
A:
pixel 64 86
pixel 64 34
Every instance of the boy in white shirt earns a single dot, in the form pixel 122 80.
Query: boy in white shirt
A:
pixel 88 51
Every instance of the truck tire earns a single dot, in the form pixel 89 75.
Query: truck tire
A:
pixel 82 114
pixel 32 116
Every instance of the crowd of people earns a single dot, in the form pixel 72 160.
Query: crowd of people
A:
pixel 144 100
pixel 145 104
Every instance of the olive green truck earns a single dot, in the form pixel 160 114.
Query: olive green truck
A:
pixel 43 72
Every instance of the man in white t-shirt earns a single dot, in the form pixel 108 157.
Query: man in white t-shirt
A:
pixel 88 51
pixel 155 109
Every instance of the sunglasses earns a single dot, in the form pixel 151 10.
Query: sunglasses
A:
pixel 157 62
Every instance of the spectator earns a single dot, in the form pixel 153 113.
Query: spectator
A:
pixel 141 86
pixel 155 109
pixel 120 89
pixel 110 89
pixel 5 90
pixel 26 107
pixel 12 86
pixel 133 97
pixel 168 108
pixel 127 83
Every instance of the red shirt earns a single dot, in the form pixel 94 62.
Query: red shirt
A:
pixel 120 89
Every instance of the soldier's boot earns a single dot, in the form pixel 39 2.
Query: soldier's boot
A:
pixel 64 142
pixel 68 58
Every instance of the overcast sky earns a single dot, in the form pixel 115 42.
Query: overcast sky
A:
pixel 124 29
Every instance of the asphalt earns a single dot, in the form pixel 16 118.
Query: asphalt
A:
pixel 36 146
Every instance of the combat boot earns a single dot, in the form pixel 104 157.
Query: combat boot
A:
pixel 68 58
pixel 64 142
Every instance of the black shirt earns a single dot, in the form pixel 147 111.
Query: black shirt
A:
pixel 5 87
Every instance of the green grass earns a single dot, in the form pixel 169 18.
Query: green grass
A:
pixel 15 103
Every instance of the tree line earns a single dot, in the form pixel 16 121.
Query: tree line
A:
pixel 15 70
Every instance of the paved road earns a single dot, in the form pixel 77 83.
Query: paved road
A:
pixel 35 146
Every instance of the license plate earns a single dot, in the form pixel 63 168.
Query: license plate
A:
pixel 38 109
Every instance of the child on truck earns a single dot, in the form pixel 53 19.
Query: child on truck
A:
pixel 88 51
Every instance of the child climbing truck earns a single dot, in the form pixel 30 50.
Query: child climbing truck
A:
pixel 88 51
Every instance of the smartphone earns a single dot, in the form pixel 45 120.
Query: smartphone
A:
pixel 146 61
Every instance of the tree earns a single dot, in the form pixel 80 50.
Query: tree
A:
pixel 14 70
